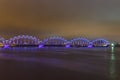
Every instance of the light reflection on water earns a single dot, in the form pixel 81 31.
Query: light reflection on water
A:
pixel 112 64
pixel 60 62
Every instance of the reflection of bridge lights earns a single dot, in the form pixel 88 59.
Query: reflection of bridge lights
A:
pixel 67 46
pixel 90 46
pixel 40 46
pixel 6 46
pixel 112 63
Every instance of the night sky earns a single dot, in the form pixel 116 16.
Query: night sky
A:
pixel 67 18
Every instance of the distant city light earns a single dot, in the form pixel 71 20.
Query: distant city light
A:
pixel 112 44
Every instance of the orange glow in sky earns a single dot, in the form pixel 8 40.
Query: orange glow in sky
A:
pixel 69 18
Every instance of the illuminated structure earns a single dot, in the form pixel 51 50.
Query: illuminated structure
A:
pixel 112 45
pixel 2 41
pixel 100 43
pixel 79 42
pixel 54 41
pixel 23 40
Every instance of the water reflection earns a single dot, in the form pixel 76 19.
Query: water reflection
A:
pixel 112 64
pixel 67 63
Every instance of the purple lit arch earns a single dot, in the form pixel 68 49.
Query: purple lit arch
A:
pixel 54 41
pixel 100 43
pixel 23 40
pixel 80 42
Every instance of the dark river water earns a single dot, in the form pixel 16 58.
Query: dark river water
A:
pixel 60 64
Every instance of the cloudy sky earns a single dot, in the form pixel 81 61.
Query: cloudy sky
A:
pixel 68 18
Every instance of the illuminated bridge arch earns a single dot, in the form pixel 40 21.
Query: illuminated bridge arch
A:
pixel 23 40
pixel 54 41
pixel 100 43
pixel 79 42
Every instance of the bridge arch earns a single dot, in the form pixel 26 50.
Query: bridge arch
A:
pixel 100 43
pixel 23 40
pixel 54 41
pixel 80 42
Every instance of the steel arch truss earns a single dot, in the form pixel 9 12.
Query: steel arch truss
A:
pixel 80 42
pixel 100 43
pixel 23 40
pixel 54 41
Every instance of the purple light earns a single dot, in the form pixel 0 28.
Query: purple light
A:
pixel 6 46
pixel 40 46
pixel 54 40
pixel 90 46
pixel 67 46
